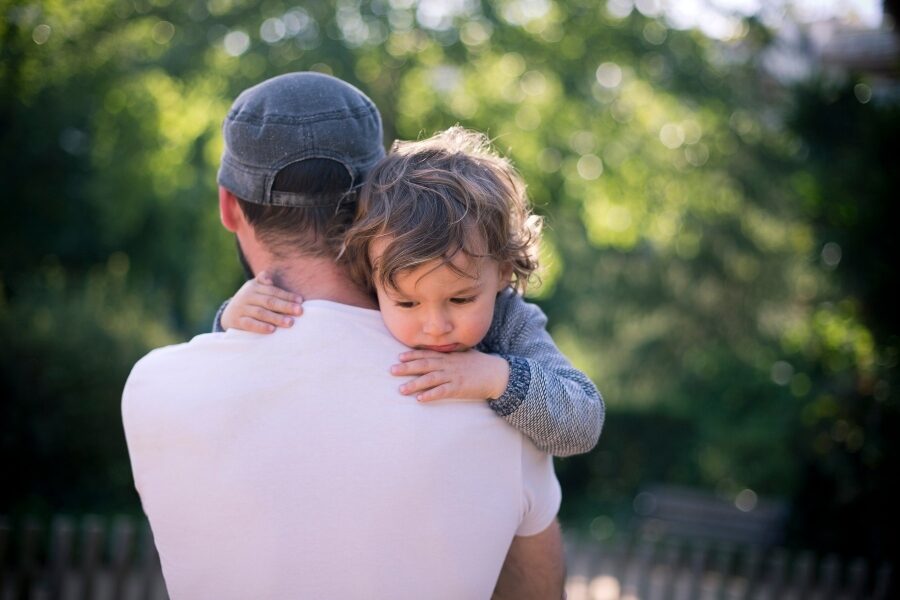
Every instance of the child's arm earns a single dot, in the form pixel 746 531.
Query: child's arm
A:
pixel 259 306
pixel 545 397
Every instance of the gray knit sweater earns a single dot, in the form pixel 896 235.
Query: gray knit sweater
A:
pixel 547 399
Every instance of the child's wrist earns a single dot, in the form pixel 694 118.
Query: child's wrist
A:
pixel 501 371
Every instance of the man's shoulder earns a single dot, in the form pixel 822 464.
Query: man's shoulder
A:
pixel 155 369
pixel 328 337
pixel 175 354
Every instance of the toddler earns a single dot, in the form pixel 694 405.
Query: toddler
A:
pixel 445 239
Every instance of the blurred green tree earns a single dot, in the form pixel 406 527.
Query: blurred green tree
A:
pixel 851 346
pixel 690 201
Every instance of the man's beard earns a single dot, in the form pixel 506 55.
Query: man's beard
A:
pixel 243 260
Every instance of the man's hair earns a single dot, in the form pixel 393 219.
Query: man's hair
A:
pixel 312 231
pixel 434 198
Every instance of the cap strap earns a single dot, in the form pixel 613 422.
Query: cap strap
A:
pixel 301 200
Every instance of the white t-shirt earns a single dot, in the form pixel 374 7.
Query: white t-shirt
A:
pixel 289 466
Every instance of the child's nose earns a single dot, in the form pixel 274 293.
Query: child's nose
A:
pixel 437 324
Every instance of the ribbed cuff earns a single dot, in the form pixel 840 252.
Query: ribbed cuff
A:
pixel 516 389
pixel 217 321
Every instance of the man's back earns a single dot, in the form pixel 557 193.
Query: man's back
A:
pixel 290 466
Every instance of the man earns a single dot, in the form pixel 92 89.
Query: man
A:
pixel 289 465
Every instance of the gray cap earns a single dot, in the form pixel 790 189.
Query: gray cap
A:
pixel 294 117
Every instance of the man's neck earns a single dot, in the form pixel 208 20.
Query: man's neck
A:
pixel 318 279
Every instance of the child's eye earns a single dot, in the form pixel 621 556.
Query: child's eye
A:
pixel 463 300
pixel 404 304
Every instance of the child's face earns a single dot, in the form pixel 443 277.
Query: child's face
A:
pixel 435 308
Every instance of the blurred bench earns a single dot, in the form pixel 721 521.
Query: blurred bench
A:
pixel 672 511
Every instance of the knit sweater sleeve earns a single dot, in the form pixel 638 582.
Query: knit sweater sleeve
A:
pixel 547 399
pixel 217 321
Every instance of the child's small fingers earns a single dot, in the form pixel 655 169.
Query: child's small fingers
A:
pixel 410 368
pixel 285 307
pixel 420 366
pixel 268 316
pixel 418 354
pixel 425 382
pixel 440 392
pixel 277 292
pixel 251 324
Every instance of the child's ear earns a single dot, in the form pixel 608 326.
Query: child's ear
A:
pixel 505 276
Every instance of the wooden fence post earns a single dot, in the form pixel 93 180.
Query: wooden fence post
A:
pixel 716 575
pixel 634 570
pixel 801 582
pixel 578 569
pixel 750 569
pixel 150 568
pixel 683 584
pixel 856 579
pixel 664 574
pixel 28 565
pixel 734 586
pixel 62 533
pixel 121 555
pixel 645 554
pixel 882 582
pixel 607 585
pixel 829 576
pixel 773 577
pixel 712 579
pixel 699 558
pixel 92 536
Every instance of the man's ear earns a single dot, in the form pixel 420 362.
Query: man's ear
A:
pixel 229 211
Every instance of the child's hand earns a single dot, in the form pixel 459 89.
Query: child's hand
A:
pixel 260 306
pixel 469 375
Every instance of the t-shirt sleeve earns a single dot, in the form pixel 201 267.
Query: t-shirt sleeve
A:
pixel 139 420
pixel 540 490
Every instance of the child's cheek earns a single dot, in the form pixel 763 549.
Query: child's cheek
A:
pixel 480 325
pixel 400 327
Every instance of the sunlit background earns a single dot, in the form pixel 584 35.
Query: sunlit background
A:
pixel 716 177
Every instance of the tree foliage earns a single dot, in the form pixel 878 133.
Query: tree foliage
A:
pixel 717 256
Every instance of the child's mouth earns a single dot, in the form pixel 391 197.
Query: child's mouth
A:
pixel 444 348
